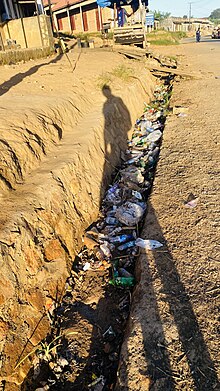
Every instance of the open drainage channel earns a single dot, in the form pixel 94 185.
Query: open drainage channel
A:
pixel 83 350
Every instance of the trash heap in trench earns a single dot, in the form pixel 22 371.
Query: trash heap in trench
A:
pixel 114 239
pixel 113 243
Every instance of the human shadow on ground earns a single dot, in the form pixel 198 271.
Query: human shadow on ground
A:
pixel 116 127
pixel 117 124
pixel 19 77
pixel 158 353
pixel 104 351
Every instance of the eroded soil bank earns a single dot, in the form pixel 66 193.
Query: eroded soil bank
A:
pixel 57 151
pixel 88 324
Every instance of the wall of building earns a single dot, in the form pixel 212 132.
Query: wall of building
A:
pixel 86 18
pixel 91 19
pixel 17 55
pixel 2 36
pixel 107 13
pixel 27 33
pixel 172 24
pixel 78 20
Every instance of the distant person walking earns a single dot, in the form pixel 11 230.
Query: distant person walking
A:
pixel 198 35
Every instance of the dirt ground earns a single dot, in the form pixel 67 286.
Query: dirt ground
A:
pixel 172 337
pixel 173 332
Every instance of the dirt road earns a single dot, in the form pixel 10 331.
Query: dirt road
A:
pixel 173 331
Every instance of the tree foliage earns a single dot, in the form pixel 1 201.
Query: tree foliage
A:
pixel 215 14
pixel 161 15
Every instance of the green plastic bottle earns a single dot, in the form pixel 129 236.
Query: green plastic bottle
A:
pixel 123 281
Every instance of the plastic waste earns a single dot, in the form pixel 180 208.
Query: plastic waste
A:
pixel 106 251
pixel 155 153
pixel 123 281
pixel 111 220
pixel 99 254
pixel 134 159
pixel 126 245
pixel 113 195
pixel 192 203
pixel 121 238
pixel 133 174
pixel 145 124
pixel 154 136
pixel 130 213
pixel 137 194
pixel 109 334
pixel 100 381
pixel 87 266
pixel 148 244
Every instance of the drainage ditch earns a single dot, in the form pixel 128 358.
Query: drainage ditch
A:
pixel 83 350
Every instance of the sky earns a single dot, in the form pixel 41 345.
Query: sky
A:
pixel 200 8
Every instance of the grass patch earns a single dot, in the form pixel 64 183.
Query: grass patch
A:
pixel 165 38
pixel 163 42
pixel 87 36
pixel 104 80
pixel 122 72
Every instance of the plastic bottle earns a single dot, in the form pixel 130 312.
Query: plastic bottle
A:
pixel 134 159
pixel 154 136
pixel 121 238
pixel 126 245
pixel 123 281
pixel 111 220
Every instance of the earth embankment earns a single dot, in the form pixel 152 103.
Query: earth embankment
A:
pixel 58 150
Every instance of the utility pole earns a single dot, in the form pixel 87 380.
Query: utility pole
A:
pixel 190 11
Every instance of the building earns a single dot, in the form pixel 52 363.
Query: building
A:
pixel 16 9
pixel 78 15
pixel 184 24
pixel 24 25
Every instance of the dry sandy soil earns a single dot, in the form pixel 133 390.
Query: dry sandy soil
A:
pixel 172 337
pixel 174 323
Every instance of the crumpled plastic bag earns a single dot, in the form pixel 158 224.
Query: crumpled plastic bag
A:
pixel 130 213
pixel 154 136
pixel 148 244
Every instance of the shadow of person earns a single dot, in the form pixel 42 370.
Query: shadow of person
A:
pixel 175 354
pixel 19 77
pixel 116 127
pixel 99 361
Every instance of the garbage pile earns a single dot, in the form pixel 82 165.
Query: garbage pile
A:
pixel 111 246
pixel 113 241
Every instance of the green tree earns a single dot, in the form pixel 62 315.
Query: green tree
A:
pixel 161 15
pixel 215 14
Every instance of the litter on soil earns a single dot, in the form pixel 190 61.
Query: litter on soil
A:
pixel 111 246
